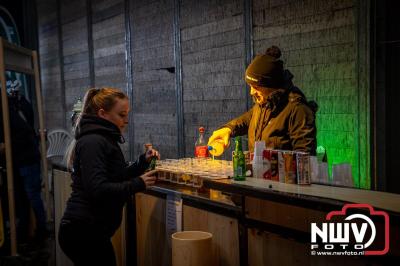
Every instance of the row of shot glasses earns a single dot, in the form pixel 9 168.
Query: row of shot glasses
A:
pixel 191 171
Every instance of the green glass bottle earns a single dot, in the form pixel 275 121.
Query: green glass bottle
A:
pixel 239 162
pixel 152 164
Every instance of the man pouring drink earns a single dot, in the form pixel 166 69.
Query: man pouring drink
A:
pixel 281 115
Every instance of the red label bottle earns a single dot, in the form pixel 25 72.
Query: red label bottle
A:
pixel 201 148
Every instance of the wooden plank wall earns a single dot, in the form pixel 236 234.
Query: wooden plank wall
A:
pixel 152 238
pixel 75 51
pixel 108 34
pixel 267 248
pixel 213 57
pixel 320 42
pixel 153 247
pixel 154 103
pixel 62 191
pixel 225 233
pixel 50 64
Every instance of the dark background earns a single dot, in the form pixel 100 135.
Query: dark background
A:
pixel 387 93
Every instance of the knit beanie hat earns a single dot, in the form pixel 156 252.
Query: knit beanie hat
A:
pixel 266 70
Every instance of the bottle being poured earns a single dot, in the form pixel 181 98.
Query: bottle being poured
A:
pixel 219 141
pixel 216 147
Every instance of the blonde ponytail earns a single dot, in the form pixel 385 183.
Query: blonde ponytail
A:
pixel 94 100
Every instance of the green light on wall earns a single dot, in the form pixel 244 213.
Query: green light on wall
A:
pixel 338 135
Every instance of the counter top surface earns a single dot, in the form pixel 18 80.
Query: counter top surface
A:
pixel 331 195
pixel 194 193
pixel 381 200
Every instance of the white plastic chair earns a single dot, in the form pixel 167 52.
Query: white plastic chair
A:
pixel 58 141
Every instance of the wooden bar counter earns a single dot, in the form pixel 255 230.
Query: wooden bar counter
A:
pixel 256 222
pixel 253 222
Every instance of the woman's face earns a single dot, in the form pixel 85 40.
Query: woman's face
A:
pixel 260 94
pixel 118 114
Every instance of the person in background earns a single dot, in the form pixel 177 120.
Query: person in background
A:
pixel 101 179
pixel 281 115
pixel 26 164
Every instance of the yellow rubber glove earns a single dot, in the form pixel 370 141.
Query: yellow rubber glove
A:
pixel 223 133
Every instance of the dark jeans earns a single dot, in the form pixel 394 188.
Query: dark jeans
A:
pixel 84 245
pixel 32 181
pixel 27 189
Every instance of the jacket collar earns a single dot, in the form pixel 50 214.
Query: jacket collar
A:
pixel 90 124
pixel 276 100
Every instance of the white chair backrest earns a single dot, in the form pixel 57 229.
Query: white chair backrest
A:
pixel 59 141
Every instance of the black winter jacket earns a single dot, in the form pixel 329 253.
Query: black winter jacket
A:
pixel 24 141
pixel 101 179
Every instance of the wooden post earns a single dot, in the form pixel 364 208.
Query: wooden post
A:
pixel 7 141
pixel 43 149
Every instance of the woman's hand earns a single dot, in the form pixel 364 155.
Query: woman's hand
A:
pixel 149 178
pixel 150 154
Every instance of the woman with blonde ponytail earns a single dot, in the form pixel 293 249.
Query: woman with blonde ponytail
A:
pixel 101 179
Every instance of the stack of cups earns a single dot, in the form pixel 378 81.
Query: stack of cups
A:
pixel 259 147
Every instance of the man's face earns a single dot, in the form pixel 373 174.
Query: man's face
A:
pixel 260 94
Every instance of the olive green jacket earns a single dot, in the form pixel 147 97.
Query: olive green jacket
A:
pixel 284 122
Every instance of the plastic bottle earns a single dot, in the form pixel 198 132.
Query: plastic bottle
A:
pixel 258 168
pixel 217 147
pixel 201 148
